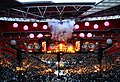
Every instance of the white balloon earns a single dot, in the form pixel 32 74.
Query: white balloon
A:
pixel 109 41
pixel 13 42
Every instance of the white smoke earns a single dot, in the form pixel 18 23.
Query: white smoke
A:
pixel 61 30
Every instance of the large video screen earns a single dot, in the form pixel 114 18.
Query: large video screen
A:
pixel 65 47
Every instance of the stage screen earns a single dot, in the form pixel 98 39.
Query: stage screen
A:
pixel 64 47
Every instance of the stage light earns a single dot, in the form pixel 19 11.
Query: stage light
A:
pixel 45 27
pixel 35 24
pixel 82 35
pixel 87 23
pixel 31 35
pixel 18 68
pixel 76 26
pixel 89 35
pixel 96 26
pixel 15 25
pixel 106 23
pixel 25 27
pixel 40 35
pixel 13 42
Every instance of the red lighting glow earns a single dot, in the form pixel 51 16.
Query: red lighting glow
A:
pixel 31 35
pixel 76 26
pixel 106 23
pixel 89 35
pixel 35 24
pixel 25 27
pixel 45 27
pixel 87 23
pixel 15 25
pixel 40 35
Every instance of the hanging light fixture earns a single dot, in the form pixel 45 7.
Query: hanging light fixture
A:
pixel 106 23
pixel 96 26
pixel 35 24
pixel 87 23
pixel 31 35
pixel 25 27
pixel 76 26
pixel 15 25
pixel 45 27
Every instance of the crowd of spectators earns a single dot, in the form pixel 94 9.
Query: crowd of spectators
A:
pixel 41 68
